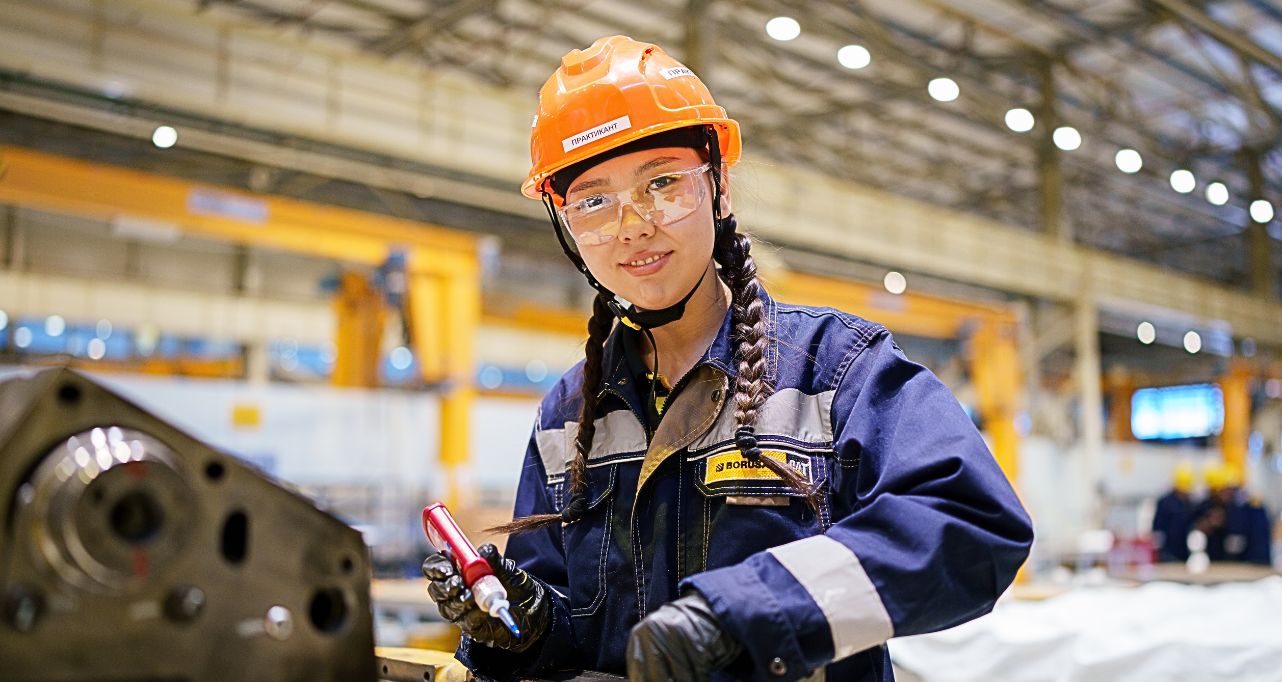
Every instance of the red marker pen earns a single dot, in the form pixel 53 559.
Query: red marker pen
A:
pixel 488 592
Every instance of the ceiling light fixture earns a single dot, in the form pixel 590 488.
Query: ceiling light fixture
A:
pixel 1192 342
pixel 943 89
pixel 1146 333
pixel 1261 211
pixel 1217 193
pixel 895 283
pixel 1067 138
pixel 853 57
pixel 164 137
pixel 1182 181
pixel 1019 120
pixel 1128 161
pixel 783 28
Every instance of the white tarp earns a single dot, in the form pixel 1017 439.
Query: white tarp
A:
pixel 1161 632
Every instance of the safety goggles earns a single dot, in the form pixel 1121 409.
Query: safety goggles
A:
pixel 661 200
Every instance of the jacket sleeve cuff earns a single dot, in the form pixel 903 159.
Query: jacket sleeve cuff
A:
pixel 556 650
pixel 796 607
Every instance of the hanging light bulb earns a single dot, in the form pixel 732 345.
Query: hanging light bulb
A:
pixel 1182 181
pixel 1019 120
pixel 1067 138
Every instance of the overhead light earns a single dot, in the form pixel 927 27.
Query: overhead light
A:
pixel 1248 347
pixel 943 89
pixel 536 371
pixel 1217 193
pixel 1261 211
pixel 4 320
pixel 55 325
pixel 1146 333
pixel 491 377
pixel 401 358
pixel 1182 181
pixel 1019 120
pixel 22 337
pixel 783 28
pixel 1192 342
pixel 164 137
pixel 895 282
pixel 1128 160
pixel 97 349
pixel 1067 138
pixel 853 57
pixel 103 330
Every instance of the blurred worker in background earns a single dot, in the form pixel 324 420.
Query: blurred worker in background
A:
pixel 1174 515
pixel 1235 523
pixel 728 487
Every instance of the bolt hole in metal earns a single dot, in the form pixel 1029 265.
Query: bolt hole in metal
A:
pixel 69 393
pixel 328 610
pixel 235 541
pixel 109 509
pixel 214 471
pixel 136 517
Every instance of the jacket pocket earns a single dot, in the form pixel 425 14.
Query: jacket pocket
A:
pixel 725 472
pixel 749 509
pixel 587 542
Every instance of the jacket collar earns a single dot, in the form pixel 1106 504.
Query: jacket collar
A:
pixel 618 375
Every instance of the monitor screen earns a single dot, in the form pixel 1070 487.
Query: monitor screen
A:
pixel 1175 412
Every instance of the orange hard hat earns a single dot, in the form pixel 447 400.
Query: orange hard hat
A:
pixel 612 93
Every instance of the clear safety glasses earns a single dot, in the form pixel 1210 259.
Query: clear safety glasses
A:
pixel 661 200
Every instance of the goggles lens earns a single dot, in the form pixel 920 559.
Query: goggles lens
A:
pixel 661 200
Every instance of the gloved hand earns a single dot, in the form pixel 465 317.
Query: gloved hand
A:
pixel 527 597
pixel 680 642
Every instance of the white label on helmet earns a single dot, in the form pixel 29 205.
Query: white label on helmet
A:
pixel 617 125
pixel 676 72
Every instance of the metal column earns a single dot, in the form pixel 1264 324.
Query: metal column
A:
pixel 1050 177
pixel 699 41
pixel 1235 436
pixel 1259 247
pixel 1090 433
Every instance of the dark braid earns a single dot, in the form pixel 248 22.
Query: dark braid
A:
pixel 593 367
pixel 747 319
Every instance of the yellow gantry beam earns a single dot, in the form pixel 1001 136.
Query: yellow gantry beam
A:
pixel 444 284
pixel 991 330
pixel 907 313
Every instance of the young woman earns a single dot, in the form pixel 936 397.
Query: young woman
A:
pixel 729 487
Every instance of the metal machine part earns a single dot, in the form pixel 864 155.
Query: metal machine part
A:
pixel 131 551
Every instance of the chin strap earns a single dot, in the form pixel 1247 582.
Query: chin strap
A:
pixel 628 313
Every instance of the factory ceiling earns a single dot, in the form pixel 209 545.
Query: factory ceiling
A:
pixel 1188 85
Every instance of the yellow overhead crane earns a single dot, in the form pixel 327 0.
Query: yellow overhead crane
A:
pixel 443 277
pixel 990 331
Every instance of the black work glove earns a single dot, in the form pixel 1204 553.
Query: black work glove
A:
pixel 527 597
pixel 680 642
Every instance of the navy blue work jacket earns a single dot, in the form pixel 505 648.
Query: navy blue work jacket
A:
pixel 1172 522
pixel 1245 534
pixel 918 529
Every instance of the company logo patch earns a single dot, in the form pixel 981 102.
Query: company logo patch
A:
pixel 733 466
pixel 617 125
pixel 676 72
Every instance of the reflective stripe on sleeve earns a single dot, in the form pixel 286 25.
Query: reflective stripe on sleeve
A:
pixel 835 579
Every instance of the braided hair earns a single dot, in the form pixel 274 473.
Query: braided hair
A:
pixel 748 331
pixel 599 327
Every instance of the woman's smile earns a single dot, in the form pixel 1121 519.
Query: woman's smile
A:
pixel 646 262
